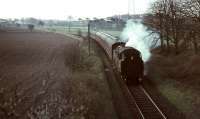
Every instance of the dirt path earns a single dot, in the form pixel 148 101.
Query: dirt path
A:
pixel 33 72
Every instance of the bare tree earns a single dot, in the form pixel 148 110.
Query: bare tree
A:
pixel 191 9
pixel 170 23
pixel 159 8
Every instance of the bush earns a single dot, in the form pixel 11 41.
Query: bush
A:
pixel 31 27
pixel 79 32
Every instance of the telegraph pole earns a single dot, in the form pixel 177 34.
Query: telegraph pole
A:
pixel 131 8
pixel 128 8
pixel 89 37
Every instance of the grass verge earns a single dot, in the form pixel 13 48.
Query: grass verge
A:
pixel 88 85
pixel 177 78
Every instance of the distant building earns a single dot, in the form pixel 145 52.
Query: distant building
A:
pixel 3 23
pixel 126 17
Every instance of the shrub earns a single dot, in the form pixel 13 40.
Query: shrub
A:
pixel 31 27
pixel 79 32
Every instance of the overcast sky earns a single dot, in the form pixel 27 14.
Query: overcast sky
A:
pixel 60 9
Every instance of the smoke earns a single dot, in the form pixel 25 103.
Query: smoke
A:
pixel 135 35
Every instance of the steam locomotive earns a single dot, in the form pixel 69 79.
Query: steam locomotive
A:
pixel 127 60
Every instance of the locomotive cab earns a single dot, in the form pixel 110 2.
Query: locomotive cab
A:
pixel 117 45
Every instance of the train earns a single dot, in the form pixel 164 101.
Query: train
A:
pixel 127 60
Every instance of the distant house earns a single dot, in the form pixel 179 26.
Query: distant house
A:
pixel 3 23
pixel 126 17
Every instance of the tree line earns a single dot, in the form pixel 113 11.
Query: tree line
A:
pixel 178 23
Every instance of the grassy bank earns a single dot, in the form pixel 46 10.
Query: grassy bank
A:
pixel 177 78
pixel 88 86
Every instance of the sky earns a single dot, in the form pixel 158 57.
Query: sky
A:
pixel 61 9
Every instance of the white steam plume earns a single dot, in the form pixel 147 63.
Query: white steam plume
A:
pixel 135 35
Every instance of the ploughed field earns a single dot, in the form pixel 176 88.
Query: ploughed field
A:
pixel 48 75
pixel 33 74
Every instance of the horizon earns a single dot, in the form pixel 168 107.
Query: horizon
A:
pixel 73 19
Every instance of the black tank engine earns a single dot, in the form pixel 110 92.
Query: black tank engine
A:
pixel 127 60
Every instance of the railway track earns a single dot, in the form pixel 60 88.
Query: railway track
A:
pixel 145 104
pixel 138 97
